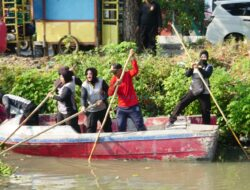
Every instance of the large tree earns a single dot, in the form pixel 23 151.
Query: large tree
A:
pixel 187 13
pixel 131 10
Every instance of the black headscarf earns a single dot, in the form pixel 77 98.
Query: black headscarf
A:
pixel 204 52
pixel 67 75
pixel 203 62
pixel 94 72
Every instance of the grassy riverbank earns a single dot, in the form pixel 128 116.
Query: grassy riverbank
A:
pixel 159 85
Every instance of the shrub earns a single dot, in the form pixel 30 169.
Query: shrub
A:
pixel 7 77
pixel 35 85
pixel 5 170
pixel 239 109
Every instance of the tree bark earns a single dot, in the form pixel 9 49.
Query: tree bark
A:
pixel 131 10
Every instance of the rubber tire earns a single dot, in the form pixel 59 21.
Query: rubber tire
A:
pixel 237 37
pixel 25 46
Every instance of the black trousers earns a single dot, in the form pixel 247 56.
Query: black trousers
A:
pixel 73 122
pixel 147 38
pixel 94 117
pixel 205 104
pixel 34 119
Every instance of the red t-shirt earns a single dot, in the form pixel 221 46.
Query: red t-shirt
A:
pixel 126 93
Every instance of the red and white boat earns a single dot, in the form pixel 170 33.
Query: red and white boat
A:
pixel 187 140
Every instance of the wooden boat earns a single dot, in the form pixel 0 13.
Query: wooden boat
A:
pixel 187 140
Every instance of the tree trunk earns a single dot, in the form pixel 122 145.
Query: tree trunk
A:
pixel 131 10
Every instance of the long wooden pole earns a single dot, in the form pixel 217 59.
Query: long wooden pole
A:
pixel 109 107
pixel 215 101
pixel 27 118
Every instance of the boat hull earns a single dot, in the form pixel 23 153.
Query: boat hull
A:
pixel 184 142
pixel 185 149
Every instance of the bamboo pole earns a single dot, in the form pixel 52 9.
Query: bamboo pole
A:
pixel 109 107
pixel 215 101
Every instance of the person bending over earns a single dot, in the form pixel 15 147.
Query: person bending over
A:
pixel 17 105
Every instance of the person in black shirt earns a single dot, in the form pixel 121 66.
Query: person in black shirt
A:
pixel 66 100
pixel 149 25
pixel 75 79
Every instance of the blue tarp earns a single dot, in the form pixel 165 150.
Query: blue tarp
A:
pixel 64 9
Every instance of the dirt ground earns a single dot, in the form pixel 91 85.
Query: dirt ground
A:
pixel 13 59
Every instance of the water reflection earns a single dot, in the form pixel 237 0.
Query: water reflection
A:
pixel 92 172
pixel 54 173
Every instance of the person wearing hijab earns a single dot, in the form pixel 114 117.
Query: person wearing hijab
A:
pixel 75 79
pixel 197 90
pixel 94 94
pixel 66 100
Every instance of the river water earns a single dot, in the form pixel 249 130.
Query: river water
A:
pixel 41 173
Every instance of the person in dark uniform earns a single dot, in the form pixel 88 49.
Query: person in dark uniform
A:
pixel 17 105
pixel 149 25
pixel 197 90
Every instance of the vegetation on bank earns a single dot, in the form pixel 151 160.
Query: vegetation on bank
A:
pixel 159 85
pixel 5 170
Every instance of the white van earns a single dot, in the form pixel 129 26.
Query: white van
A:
pixel 229 19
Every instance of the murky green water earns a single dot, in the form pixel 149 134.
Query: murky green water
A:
pixel 55 173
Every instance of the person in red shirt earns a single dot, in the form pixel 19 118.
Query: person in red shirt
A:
pixel 128 104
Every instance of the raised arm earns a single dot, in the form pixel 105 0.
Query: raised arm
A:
pixel 134 71
pixel 207 72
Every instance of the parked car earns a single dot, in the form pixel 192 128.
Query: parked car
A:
pixel 229 19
